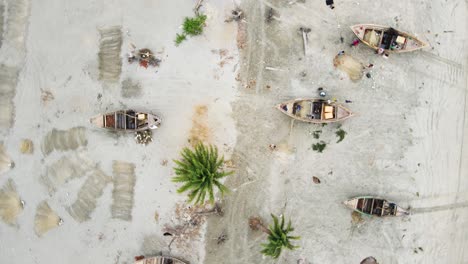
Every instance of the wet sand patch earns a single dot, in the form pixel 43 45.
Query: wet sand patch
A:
pixel 200 132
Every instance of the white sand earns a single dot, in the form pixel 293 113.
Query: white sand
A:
pixel 58 53
pixel 407 142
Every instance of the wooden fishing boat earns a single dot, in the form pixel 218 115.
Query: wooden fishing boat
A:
pixel 160 260
pixel 388 39
pixel 126 120
pixel 375 206
pixel 314 110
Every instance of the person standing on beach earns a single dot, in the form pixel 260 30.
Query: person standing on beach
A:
pixel 330 4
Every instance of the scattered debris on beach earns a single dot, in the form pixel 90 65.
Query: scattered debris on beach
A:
pixel 224 57
pixel 221 238
pixel 236 15
pixel 305 39
pixel 351 66
pixel 200 131
pixel 229 164
pixel 144 137
pixel 26 146
pixel 46 96
pixel 256 223
pixel 186 226
pixel 124 182
pixel 46 219
pixel 145 57
pixel 63 140
pixel 316 180
pixel 6 163
pixel 11 204
pixel 110 62
pixel 356 218
pixel 215 210
pixel 270 15
pixel 89 193
pixel 156 216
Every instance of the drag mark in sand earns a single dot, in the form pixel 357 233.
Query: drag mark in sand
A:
pixel 86 201
pixel 124 182
pixel 67 168
pixel 439 208
pixel 110 63
pixel 10 203
pixel 200 132
pixel 63 140
pixel 6 163
pixel 351 66
pixel 46 219
pixel 8 82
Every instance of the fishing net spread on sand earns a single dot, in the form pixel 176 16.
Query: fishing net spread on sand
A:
pixel 10 203
pixel 124 182
pixel 65 169
pixel 88 194
pixel 63 140
pixel 46 219
pixel 6 163
pixel 349 65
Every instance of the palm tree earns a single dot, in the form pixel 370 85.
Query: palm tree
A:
pixel 201 171
pixel 277 236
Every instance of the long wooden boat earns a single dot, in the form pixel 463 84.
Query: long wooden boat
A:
pixel 375 206
pixel 126 120
pixel 314 110
pixel 160 260
pixel 387 38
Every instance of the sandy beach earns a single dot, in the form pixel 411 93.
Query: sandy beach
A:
pixel 62 62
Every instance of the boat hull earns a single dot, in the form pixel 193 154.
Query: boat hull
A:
pixel 357 203
pixel 126 121
pixel 341 113
pixel 367 35
pixel 160 260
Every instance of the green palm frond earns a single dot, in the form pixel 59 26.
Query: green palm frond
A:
pixel 200 171
pixel 278 238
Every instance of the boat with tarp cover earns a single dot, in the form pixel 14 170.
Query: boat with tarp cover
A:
pixel 373 206
pixel 387 39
